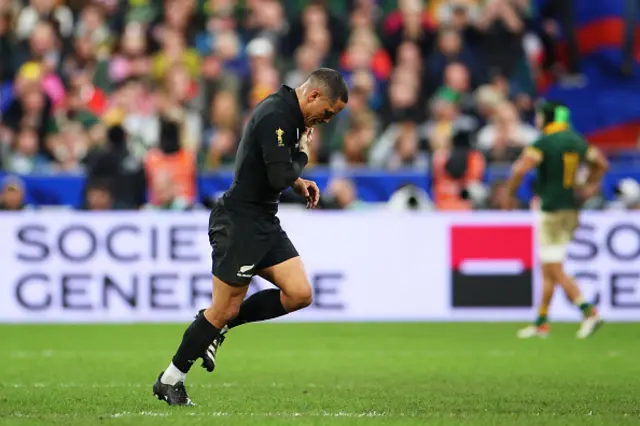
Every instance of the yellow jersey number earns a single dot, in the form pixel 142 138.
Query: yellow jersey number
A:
pixel 570 160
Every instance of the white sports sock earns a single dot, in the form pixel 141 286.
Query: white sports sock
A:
pixel 172 375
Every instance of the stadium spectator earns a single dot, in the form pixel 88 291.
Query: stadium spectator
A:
pixel 178 103
pixel 40 60
pixel 7 47
pixel 456 14
pixel 24 158
pixel 356 143
pixel 450 49
pixel 444 113
pixel 454 169
pixel 500 31
pixel 98 195
pixel 134 108
pixel 266 20
pixel 409 57
pixel 44 10
pixel 176 19
pixel 175 51
pixel 403 98
pixel 400 147
pixel 88 97
pixel 115 164
pixel 165 194
pixel 71 70
pixel 341 194
pixel 457 80
pixel 409 22
pixel 321 40
pixel 221 149
pixel 32 108
pixel 172 158
pixel 12 194
pixel 130 59
pixel 506 136
pixel 93 26
pixel 69 147
pixel 487 100
pixel 318 26
pixel 307 59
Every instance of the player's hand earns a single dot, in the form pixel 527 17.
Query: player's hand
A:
pixel 305 141
pixel 309 190
pixel 587 192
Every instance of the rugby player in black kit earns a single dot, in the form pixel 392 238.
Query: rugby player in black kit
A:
pixel 245 234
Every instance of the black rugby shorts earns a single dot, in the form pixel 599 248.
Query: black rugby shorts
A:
pixel 242 245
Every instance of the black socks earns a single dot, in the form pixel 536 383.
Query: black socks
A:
pixel 261 306
pixel 195 341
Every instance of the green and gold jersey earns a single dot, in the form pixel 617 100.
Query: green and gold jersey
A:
pixel 560 153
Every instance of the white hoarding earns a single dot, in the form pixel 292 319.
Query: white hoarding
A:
pixel 371 265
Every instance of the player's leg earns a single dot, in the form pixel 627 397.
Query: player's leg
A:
pixel 281 266
pixel 196 339
pixel 547 239
pixel 233 258
pixel 293 293
pixel 591 318
pixel 540 327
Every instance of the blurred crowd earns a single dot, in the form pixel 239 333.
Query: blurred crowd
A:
pixel 141 95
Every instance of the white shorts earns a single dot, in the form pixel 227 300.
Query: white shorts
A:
pixel 555 233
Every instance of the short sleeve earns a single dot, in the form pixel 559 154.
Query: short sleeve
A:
pixel 536 149
pixel 275 136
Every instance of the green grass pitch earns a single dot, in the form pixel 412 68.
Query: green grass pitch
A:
pixel 324 374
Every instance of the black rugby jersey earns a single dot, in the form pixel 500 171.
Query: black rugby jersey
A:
pixel 268 159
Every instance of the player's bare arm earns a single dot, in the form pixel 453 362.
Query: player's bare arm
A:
pixel 598 165
pixel 528 160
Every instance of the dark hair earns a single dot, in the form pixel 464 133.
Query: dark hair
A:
pixel 553 111
pixel 333 81
pixel 117 137
pixel 458 160
pixel 99 184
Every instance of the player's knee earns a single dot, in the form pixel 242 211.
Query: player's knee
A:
pixel 221 317
pixel 299 298
pixel 231 312
pixel 305 297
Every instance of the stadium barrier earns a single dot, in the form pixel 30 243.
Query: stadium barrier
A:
pixel 63 266
pixel 372 185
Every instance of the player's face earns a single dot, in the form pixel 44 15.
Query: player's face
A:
pixel 320 109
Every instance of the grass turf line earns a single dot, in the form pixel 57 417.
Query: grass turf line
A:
pixel 324 374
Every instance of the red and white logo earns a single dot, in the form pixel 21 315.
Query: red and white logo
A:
pixel 492 265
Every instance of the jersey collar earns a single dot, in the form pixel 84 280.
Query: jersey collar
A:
pixel 289 95
pixel 555 128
